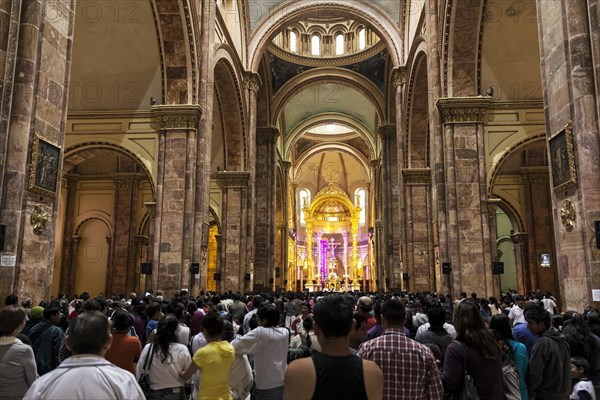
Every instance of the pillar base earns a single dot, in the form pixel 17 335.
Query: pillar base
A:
pixel 312 287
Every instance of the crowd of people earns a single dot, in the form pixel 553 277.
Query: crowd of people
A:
pixel 295 346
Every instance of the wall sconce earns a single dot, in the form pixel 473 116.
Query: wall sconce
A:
pixel 545 260
pixel 359 263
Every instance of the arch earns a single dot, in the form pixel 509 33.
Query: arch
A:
pixel 229 98
pixel 329 75
pixel 329 147
pixel 77 153
pixel 418 139
pixel 324 118
pixel 174 22
pixel 295 10
pixel 83 221
pixel 463 23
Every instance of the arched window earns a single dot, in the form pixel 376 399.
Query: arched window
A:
pixel 293 47
pixel 362 39
pixel 315 48
pixel 304 197
pixel 339 44
pixel 360 196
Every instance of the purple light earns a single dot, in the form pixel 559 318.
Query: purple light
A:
pixel 324 262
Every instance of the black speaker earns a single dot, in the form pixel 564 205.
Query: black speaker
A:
pixel 146 268
pixel 217 276
pixel 247 277
pixel 597 235
pixel 285 281
pixel 195 268
pixel 446 268
pixel 3 232
pixel 387 281
pixel 271 280
pixel 405 276
pixel 497 267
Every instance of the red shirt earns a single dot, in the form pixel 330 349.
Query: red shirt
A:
pixel 124 351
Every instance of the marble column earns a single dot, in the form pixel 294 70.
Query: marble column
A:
pixel 266 185
pixel 234 264
pixel 493 224
pixel 175 192
pixel 466 194
pixel 68 256
pixel 524 278
pixel 569 50
pixel 390 204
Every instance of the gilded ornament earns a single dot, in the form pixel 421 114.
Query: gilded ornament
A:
pixel 567 214
pixel 399 76
pixel 39 218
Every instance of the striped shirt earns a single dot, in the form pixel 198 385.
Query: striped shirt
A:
pixel 409 369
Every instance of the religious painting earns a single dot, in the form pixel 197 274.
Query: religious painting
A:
pixel 45 165
pixel 562 159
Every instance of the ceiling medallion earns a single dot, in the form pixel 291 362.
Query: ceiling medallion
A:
pixel 567 214
pixel 39 218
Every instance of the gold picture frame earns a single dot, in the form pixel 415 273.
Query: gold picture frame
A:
pixel 562 159
pixel 45 165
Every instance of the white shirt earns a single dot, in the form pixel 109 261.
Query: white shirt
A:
pixel 516 315
pixel 183 334
pixel 86 376
pixel 247 318
pixel 549 305
pixel 270 347
pixel 165 374
pixel 448 327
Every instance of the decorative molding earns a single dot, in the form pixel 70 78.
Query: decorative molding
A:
pixel 252 81
pixel 379 225
pixel 493 205
pixel 171 117
pixel 267 135
pixel 519 238
pixel 568 214
pixel 231 179
pixel 417 176
pixel 535 174
pixel 399 76
pixel 39 218
pixel 387 131
pixel 151 206
pixel 327 61
pixel 463 109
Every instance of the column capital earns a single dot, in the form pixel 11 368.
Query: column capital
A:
pixel 535 174
pixel 177 116
pixel 463 109
pixel 493 204
pixel 387 130
pixel 417 176
pixel 399 75
pixel 267 135
pixel 151 206
pixel 375 162
pixel 252 81
pixel 230 179
pixel 519 237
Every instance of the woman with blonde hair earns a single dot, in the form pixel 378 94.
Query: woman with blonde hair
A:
pixel 475 352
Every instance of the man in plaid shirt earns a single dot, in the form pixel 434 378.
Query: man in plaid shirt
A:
pixel 409 369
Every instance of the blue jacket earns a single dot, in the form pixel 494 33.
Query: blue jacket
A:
pixel 46 339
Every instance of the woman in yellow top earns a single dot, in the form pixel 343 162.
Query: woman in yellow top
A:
pixel 213 360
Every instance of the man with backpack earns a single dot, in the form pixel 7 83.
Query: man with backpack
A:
pixel 46 338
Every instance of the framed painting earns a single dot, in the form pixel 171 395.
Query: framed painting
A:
pixel 562 159
pixel 45 165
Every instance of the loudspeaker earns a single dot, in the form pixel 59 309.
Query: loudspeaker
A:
pixel 3 232
pixel 285 281
pixel 405 276
pixel 217 276
pixel 247 277
pixel 195 268
pixel 497 267
pixel 387 281
pixel 146 268
pixel 597 235
pixel 446 268
pixel 271 280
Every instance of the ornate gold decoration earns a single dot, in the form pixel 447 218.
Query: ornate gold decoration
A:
pixel 399 76
pixel 252 81
pixel 39 218
pixel 171 117
pixel 567 214
pixel 562 159
pixel 45 166
pixel 230 179
pixel 417 176
pixel 463 109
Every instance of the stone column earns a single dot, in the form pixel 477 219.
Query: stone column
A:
pixel 234 265
pixel 380 267
pixel 175 190
pixel 73 266
pixel 524 278
pixel 391 211
pixel 466 194
pixel 134 269
pixel 569 50
pixel 266 185
pixel 33 105
pixel 493 223
pixel 68 257
pixel 252 83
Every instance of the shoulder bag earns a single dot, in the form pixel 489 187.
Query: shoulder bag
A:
pixel 144 380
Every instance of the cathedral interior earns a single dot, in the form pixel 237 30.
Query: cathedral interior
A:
pixel 257 145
